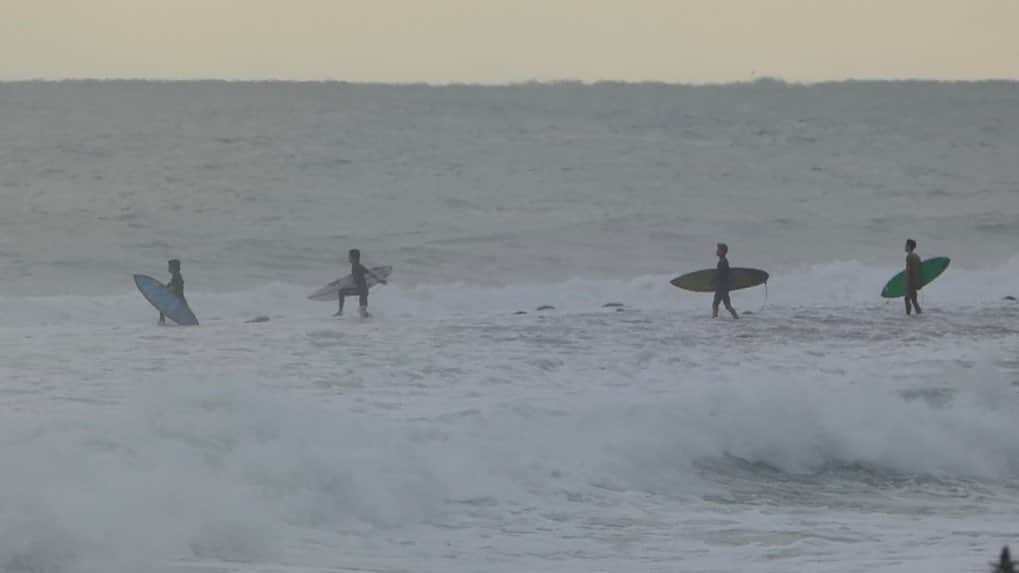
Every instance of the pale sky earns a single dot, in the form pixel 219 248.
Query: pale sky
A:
pixel 501 41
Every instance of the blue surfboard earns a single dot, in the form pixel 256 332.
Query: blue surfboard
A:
pixel 165 301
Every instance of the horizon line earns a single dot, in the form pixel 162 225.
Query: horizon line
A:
pixel 762 80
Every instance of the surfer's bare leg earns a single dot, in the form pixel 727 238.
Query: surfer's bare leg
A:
pixel 340 311
pixel 162 319
pixel 912 303
pixel 363 300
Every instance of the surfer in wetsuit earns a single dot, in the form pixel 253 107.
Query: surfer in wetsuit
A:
pixel 913 277
pixel 359 273
pixel 722 283
pixel 176 284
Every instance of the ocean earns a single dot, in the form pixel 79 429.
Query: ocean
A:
pixel 461 429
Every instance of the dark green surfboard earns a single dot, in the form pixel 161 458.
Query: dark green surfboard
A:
pixel 929 270
pixel 704 281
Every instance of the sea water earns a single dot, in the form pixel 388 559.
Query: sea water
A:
pixel 824 431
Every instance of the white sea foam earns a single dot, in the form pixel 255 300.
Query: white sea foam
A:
pixel 207 456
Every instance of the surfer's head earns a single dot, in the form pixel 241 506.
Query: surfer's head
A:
pixel 722 249
pixel 173 265
pixel 354 255
pixel 910 245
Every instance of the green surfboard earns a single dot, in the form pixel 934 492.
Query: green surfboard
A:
pixel 929 270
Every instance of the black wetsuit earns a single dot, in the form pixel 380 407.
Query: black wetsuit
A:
pixel 176 285
pixel 913 278
pixel 722 280
pixel 358 273
pixel 722 288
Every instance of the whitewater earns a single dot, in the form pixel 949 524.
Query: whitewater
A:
pixel 461 429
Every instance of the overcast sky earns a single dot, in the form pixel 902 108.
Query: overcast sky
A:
pixel 499 41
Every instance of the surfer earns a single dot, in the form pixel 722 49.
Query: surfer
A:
pixel 913 277
pixel 722 283
pixel 359 273
pixel 176 284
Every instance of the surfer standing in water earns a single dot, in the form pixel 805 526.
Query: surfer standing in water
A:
pixel 722 283
pixel 176 284
pixel 913 277
pixel 359 273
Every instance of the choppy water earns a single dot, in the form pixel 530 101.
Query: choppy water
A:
pixel 825 432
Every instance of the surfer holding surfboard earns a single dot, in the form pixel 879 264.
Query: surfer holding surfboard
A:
pixel 360 275
pixel 176 284
pixel 913 278
pixel 722 282
pixel 169 298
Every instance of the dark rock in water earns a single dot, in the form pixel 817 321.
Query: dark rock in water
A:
pixel 1011 298
pixel 620 309
pixel 1005 563
pixel 259 318
pixel 748 313
pixel 519 312
pixel 612 305
pixel 546 307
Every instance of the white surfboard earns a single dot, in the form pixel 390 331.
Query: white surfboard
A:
pixel 331 291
